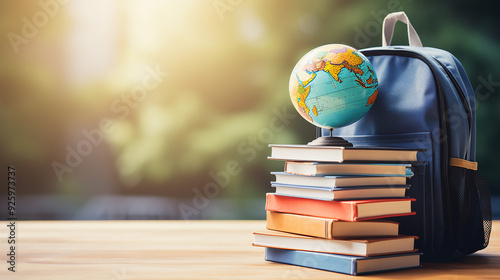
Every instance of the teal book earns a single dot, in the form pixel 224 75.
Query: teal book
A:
pixel 351 265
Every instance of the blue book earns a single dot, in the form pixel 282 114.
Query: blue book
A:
pixel 342 263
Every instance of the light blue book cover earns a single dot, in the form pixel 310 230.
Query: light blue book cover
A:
pixel 343 263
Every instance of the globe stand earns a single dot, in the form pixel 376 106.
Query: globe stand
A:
pixel 330 141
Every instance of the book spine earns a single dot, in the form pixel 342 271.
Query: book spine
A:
pixel 354 267
pixel 329 229
pixel 310 207
pixel 354 211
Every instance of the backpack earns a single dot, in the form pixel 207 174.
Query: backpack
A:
pixel 425 101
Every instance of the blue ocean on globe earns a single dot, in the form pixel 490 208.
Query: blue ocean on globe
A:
pixel 333 86
pixel 343 100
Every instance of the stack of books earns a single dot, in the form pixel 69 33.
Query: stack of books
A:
pixel 327 210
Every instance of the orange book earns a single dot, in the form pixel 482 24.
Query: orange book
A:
pixel 329 228
pixel 352 210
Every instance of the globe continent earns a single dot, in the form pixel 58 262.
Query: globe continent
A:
pixel 333 86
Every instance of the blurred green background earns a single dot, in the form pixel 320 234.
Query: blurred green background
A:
pixel 164 109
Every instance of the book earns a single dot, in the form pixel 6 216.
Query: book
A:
pixel 359 169
pixel 373 246
pixel 349 210
pixel 337 181
pixel 325 193
pixel 352 265
pixel 329 228
pixel 340 154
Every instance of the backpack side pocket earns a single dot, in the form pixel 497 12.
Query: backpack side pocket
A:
pixel 471 209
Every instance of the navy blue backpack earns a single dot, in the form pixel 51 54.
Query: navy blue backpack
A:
pixel 426 101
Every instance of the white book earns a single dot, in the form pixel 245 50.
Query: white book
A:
pixel 357 247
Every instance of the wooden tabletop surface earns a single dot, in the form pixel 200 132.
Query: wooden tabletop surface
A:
pixel 126 250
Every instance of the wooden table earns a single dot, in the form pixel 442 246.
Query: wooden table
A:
pixel 126 250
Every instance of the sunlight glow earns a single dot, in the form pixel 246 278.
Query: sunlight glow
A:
pixel 92 42
pixel 251 26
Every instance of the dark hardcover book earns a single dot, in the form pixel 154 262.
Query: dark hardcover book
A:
pixel 341 263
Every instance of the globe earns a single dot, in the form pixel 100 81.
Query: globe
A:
pixel 333 86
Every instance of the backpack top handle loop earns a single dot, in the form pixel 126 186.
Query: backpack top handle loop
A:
pixel 388 29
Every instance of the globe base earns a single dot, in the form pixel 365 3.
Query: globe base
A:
pixel 330 141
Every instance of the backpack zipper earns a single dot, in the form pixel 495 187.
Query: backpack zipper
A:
pixel 443 118
pixel 443 124
pixel 465 103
